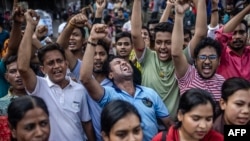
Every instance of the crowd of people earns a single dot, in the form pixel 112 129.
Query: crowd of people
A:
pixel 108 76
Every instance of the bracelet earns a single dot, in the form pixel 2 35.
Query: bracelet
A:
pixel 91 43
pixel 214 10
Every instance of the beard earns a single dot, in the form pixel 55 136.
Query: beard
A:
pixel 237 48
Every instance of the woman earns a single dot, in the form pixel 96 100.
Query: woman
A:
pixel 234 103
pixel 28 119
pixel 194 119
pixel 121 121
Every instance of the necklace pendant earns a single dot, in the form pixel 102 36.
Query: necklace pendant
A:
pixel 161 74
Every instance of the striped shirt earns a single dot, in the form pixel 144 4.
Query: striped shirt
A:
pixel 193 80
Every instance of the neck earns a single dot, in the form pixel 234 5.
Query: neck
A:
pixel 16 92
pixel 185 137
pixel 99 77
pixel 126 85
pixel 63 83
pixel 78 54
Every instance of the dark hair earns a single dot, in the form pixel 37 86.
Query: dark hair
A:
pixel 104 45
pixel 10 59
pixel 231 85
pixel 192 98
pixel 21 105
pixel 114 111
pixel 188 31
pixel 106 19
pixel 49 47
pixel 122 35
pixel 152 21
pixel 245 24
pixel 205 42
pixel 146 28
pixel 82 30
pixel 164 27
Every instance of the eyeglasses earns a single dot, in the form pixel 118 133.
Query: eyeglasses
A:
pixel 205 57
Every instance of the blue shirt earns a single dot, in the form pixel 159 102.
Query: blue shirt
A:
pixel 147 102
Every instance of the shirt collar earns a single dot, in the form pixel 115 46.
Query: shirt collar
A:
pixel 138 89
pixel 51 84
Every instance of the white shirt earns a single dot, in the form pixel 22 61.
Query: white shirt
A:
pixel 68 108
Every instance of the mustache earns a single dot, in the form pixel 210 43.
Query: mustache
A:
pixel 238 41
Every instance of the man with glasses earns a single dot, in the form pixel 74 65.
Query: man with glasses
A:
pixel 206 60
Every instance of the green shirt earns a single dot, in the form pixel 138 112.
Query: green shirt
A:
pixel 4 103
pixel 161 77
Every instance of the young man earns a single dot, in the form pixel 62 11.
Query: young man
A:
pixel 65 97
pixel 206 60
pixel 145 99
pixel 123 48
pixel 16 84
pixel 157 66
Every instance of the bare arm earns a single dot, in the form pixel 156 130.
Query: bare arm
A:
pixel 89 130
pixel 179 59
pixel 136 24
pixel 78 20
pixel 215 14
pixel 200 25
pixel 15 33
pixel 167 11
pixel 232 24
pixel 25 52
pixel 95 90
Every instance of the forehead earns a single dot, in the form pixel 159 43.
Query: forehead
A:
pixel 152 25
pixel 77 31
pixel 100 48
pixel 202 110
pixel 124 39
pixel 11 65
pixel 208 50
pixel 53 54
pixel 241 26
pixel 163 36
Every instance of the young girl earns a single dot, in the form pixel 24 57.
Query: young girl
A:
pixel 234 103
pixel 194 119
pixel 121 121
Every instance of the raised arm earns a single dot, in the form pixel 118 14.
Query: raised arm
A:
pixel 25 52
pixel 15 33
pixel 78 20
pixel 200 24
pixel 136 23
pixel 214 14
pixel 179 59
pixel 167 10
pixel 214 22
pixel 232 23
pixel 96 91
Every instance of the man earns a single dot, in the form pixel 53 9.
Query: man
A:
pixel 13 44
pixel 145 99
pixel 16 85
pixel 206 60
pixel 157 66
pixel 235 52
pixel 64 96
pixel 123 49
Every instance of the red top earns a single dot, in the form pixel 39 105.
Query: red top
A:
pixel 232 64
pixel 5 133
pixel 173 135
